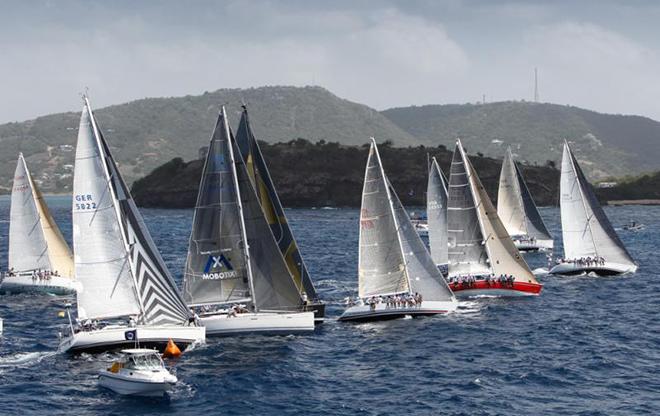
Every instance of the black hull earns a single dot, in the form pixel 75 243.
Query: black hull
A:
pixel 319 311
pixel 383 317
pixel 118 346
pixel 599 272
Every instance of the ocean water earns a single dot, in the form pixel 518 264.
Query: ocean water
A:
pixel 586 346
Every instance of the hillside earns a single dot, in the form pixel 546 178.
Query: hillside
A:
pixel 606 145
pixel 332 174
pixel 643 187
pixel 144 134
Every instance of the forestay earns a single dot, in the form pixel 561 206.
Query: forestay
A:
pixel 515 205
pixel 467 251
pixel 586 230
pixel 117 262
pixel 27 246
pixel 381 266
pixel 271 205
pixel 436 212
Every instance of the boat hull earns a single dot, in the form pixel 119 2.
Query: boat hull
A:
pixel 537 245
pixel 262 323
pixel 122 384
pixel 318 308
pixel 56 285
pixel 496 289
pixel 607 269
pixel 117 337
pixel 361 313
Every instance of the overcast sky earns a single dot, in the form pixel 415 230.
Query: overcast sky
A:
pixel 601 55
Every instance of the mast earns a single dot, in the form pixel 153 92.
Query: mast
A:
pixel 396 222
pixel 246 251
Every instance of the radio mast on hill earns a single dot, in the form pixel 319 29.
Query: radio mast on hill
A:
pixel 536 85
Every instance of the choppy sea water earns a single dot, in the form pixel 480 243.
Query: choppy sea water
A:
pixel 588 346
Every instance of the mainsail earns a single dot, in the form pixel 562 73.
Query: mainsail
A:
pixel 233 255
pixel 515 205
pixel 121 271
pixel 392 258
pixel 586 230
pixel 498 255
pixel 271 205
pixel 436 211
pixel 28 249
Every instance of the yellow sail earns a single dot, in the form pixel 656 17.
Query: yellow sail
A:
pixel 59 253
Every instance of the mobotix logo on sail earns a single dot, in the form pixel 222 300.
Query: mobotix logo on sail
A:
pixel 214 268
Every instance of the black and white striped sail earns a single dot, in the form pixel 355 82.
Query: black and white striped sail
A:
pixel 272 207
pixel 392 257
pixel 586 231
pixel 121 271
pixel 436 212
pixel 495 253
pixel 233 255
pixel 515 205
pixel 28 249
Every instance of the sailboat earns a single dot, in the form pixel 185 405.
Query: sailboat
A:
pixel 396 274
pixel 235 274
pixel 590 243
pixel 274 213
pixel 128 295
pixel 39 258
pixel 482 257
pixel 518 212
pixel 436 212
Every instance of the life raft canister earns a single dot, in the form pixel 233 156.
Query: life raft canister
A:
pixel 171 351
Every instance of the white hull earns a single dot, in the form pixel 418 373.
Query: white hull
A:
pixel 537 245
pixel 262 322
pixel 607 269
pixel 123 384
pixel 115 337
pixel 382 311
pixel 56 285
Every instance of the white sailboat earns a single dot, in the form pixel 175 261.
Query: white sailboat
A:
pixel 396 274
pixel 590 243
pixel 482 257
pixel 236 275
pixel 518 212
pixel 39 258
pixel 120 269
pixel 436 211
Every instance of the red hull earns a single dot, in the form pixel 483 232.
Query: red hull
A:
pixel 482 285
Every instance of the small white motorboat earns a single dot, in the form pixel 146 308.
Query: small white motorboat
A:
pixel 634 226
pixel 140 372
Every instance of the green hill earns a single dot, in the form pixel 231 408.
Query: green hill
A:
pixel 144 134
pixel 332 174
pixel 606 145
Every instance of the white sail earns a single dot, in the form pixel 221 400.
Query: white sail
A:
pixel 515 205
pixel 381 266
pixel 503 256
pixel 101 261
pixel 117 262
pixel 27 246
pixel 586 231
pixel 467 251
pixel 436 211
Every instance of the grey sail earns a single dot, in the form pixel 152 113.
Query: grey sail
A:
pixel 271 206
pixel 273 285
pixel 28 249
pixel 515 205
pixel 467 250
pixel 436 212
pixel 586 230
pixel 215 271
pixel 381 266
pixel 158 300
pixel 423 274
